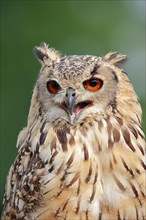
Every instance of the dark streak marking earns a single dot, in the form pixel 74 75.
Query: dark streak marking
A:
pixel 143 165
pixel 70 160
pixel 87 215
pixel 99 147
pixel 63 177
pixel 42 213
pixel 100 216
pixel 26 187
pixel 60 168
pixel 113 104
pixel 42 127
pixel 95 179
pixel 31 163
pixel 90 123
pixel 141 135
pixel 94 71
pixel 59 193
pixel 109 127
pixel 48 191
pixel 42 138
pixel 127 168
pixel 65 217
pixel 109 130
pixel 89 174
pixel 13 216
pixel 51 169
pixel 137 170
pixel 65 204
pixel 126 136
pixel 110 143
pixel 114 74
pixel 30 133
pixel 27 148
pixel 142 193
pixel 124 72
pixel 78 207
pixel 53 144
pixel 119 184
pixel 57 211
pixel 119 62
pixel 86 153
pixel 100 125
pixel 138 118
pixel 93 193
pixel 73 180
pixel 36 150
pixel 119 120
pixel 84 131
pixel 61 134
pixel 136 211
pixel 113 55
pixel 72 141
pixel 39 54
pixel 134 189
pixel 139 202
pixel 114 159
pixel 40 111
pixel 53 155
pixel 132 129
pixel 79 185
pixel 111 166
pixel 81 124
pixel 141 149
pixel 116 135
pixel 119 218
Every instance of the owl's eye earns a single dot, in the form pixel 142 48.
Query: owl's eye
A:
pixel 53 87
pixel 93 84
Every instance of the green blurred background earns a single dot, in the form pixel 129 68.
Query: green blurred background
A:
pixel 73 27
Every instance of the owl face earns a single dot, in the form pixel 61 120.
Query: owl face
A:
pixel 77 85
pixel 74 87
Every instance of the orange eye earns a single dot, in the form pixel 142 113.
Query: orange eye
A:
pixel 53 87
pixel 93 84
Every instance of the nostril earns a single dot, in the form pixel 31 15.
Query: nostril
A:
pixel 70 92
pixel 73 95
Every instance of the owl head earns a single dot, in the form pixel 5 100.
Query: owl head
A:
pixel 76 87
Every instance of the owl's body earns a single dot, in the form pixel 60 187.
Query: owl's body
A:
pixel 81 155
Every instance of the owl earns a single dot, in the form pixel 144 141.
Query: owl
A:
pixel 82 154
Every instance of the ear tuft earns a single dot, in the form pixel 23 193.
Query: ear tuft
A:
pixel 115 58
pixel 46 55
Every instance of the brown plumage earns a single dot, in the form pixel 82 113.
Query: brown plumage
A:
pixel 82 154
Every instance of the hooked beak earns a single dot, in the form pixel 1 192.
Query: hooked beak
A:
pixel 72 108
pixel 75 108
pixel 70 100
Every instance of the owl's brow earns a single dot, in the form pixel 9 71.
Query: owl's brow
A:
pixel 94 71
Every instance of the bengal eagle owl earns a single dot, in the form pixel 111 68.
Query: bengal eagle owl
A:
pixel 81 155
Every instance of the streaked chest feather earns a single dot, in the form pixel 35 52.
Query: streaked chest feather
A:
pixel 85 171
pixel 84 164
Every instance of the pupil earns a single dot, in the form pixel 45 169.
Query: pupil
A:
pixel 93 82
pixel 55 85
